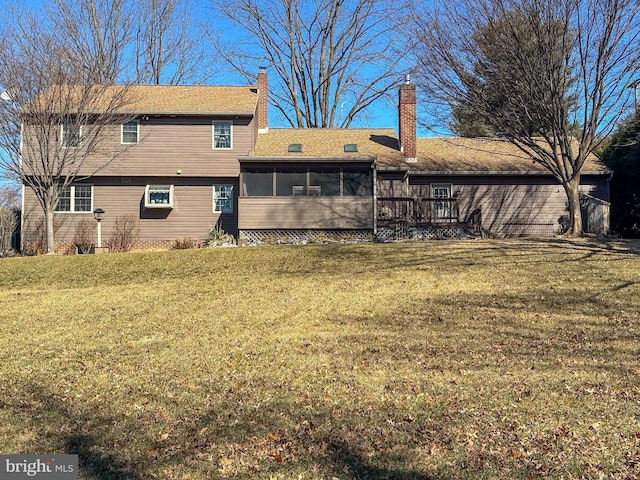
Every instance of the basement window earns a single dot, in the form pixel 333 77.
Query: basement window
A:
pixel 295 147
pixel 158 196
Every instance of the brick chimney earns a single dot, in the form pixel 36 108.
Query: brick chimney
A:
pixel 407 120
pixel 263 100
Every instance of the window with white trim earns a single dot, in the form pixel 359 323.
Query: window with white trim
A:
pixel 70 134
pixel 76 199
pixel 223 198
pixel 130 132
pixel 222 135
pixel 442 205
pixel 158 196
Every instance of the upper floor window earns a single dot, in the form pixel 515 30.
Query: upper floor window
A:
pixel 222 133
pixel 76 199
pixel 223 198
pixel 130 132
pixel 70 134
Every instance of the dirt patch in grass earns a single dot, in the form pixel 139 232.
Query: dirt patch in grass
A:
pixel 438 360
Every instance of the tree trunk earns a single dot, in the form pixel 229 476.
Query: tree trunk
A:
pixel 573 199
pixel 49 229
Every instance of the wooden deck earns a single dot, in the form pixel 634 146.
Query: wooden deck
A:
pixel 425 211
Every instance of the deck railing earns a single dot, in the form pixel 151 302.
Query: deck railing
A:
pixel 420 210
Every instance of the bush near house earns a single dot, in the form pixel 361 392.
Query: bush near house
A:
pixel 9 221
pixel 126 233
pixel 86 235
pixel 442 360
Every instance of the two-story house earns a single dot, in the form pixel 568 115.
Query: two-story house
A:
pixel 197 156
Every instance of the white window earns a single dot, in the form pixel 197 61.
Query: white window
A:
pixel 70 134
pixel 76 199
pixel 442 205
pixel 223 198
pixel 222 133
pixel 158 196
pixel 130 132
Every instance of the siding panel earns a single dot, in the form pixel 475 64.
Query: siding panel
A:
pixel 305 213
pixel 191 216
pixel 509 204
pixel 168 145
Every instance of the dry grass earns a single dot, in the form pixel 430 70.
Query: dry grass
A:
pixel 440 360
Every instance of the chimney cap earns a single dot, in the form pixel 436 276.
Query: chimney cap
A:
pixel 262 67
pixel 407 78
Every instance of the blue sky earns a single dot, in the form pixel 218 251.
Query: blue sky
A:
pixel 383 114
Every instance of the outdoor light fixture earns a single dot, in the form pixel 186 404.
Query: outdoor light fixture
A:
pixel 98 214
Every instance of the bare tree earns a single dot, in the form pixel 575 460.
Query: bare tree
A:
pixel 326 54
pixel 168 45
pixel 53 114
pixel 551 76
pixel 9 216
pixel 97 30
pixel 149 41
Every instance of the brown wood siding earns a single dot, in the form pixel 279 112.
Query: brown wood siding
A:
pixel 191 216
pixel 391 185
pixel 171 144
pixel 509 204
pixel 305 212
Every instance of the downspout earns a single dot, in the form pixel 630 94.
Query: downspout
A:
pixel 375 198
pixel 406 183
pixel 22 222
pixel 22 211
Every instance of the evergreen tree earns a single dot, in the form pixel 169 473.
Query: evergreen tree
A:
pixel 622 155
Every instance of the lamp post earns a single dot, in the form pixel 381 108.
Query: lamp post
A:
pixel 98 214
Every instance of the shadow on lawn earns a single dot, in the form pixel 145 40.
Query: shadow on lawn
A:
pixel 68 433
pixel 455 254
pixel 348 460
pixel 91 435
pixel 95 465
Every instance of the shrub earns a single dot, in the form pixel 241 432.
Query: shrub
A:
pixel 184 243
pixel 126 233
pixel 217 237
pixel 8 225
pixel 85 235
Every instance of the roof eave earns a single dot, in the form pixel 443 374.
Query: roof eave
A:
pixel 190 114
pixel 306 159
pixel 494 172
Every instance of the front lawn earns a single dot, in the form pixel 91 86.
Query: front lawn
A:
pixel 436 360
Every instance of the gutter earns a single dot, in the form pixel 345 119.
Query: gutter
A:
pixel 284 159
pixel 161 113
pixel 239 114
pixel 482 173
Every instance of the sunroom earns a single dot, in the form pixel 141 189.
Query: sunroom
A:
pixel 305 199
